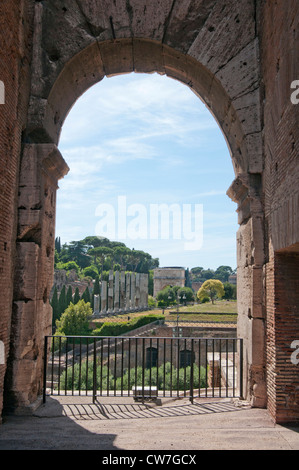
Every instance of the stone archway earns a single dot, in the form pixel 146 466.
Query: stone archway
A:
pixel 75 47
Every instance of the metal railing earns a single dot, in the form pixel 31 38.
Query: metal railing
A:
pixel 143 367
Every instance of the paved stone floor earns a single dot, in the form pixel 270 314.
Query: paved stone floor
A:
pixel 75 423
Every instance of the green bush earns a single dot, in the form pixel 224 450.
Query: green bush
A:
pixel 68 266
pixel 151 301
pixel 121 327
pixel 81 377
pixel 75 319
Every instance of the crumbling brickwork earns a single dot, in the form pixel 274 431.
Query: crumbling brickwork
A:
pixel 15 34
pixel 280 67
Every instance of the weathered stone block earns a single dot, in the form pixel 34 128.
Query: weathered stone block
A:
pixel 240 74
pixel 229 27
pixel 25 282
pixel 117 60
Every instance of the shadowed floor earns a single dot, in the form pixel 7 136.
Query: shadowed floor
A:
pixel 115 423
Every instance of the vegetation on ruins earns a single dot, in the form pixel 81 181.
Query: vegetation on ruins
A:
pixel 95 256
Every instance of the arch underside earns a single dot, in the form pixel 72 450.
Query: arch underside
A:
pixel 130 55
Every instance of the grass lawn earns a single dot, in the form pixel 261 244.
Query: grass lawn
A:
pixel 226 310
pixel 220 306
pixel 221 310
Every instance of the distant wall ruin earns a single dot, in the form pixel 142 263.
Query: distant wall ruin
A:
pixel 170 276
pixel 123 292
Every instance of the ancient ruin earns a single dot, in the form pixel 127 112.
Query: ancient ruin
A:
pixel 241 58
pixel 170 276
pixel 124 292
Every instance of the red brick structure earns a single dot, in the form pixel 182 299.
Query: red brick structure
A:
pixel 240 58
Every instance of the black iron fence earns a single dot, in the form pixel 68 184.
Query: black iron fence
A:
pixel 143 367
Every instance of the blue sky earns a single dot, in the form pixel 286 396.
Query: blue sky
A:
pixel 147 140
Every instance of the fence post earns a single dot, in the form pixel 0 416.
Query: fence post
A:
pixel 45 369
pixel 94 385
pixel 192 374
pixel 241 368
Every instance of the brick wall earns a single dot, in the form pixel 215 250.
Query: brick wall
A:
pixel 14 64
pixel 279 46
pixel 286 328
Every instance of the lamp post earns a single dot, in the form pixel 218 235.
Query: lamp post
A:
pixel 178 330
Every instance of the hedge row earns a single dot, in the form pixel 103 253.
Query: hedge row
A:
pixel 121 327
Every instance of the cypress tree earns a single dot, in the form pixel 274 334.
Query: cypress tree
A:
pixel 76 296
pixel 62 301
pixel 86 295
pixel 55 307
pixel 69 296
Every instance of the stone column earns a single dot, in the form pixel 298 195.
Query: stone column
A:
pixel 133 286
pixel 143 290
pixel 116 291
pixel 104 297
pixel 96 306
pixel 137 291
pixel 128 291
pixel 42 166
pixel 122 290
pixel 110 292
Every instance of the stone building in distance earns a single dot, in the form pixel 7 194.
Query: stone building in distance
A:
pixel 168 276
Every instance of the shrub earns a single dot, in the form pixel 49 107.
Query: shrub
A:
pixel 68 266
pixel 75 319
pixel 121 327
pixel 151 301
pixel 81 377
pixel 169 378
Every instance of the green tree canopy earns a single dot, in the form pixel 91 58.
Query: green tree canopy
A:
pixel 230 291
pixel 100 253
pixel 166 296
pixel 75 319
pixel 173 294
pixel 91 271
pixel 68 266
pixel 104 254
pixel 185 294
pixel 222 273
pixel 211 288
